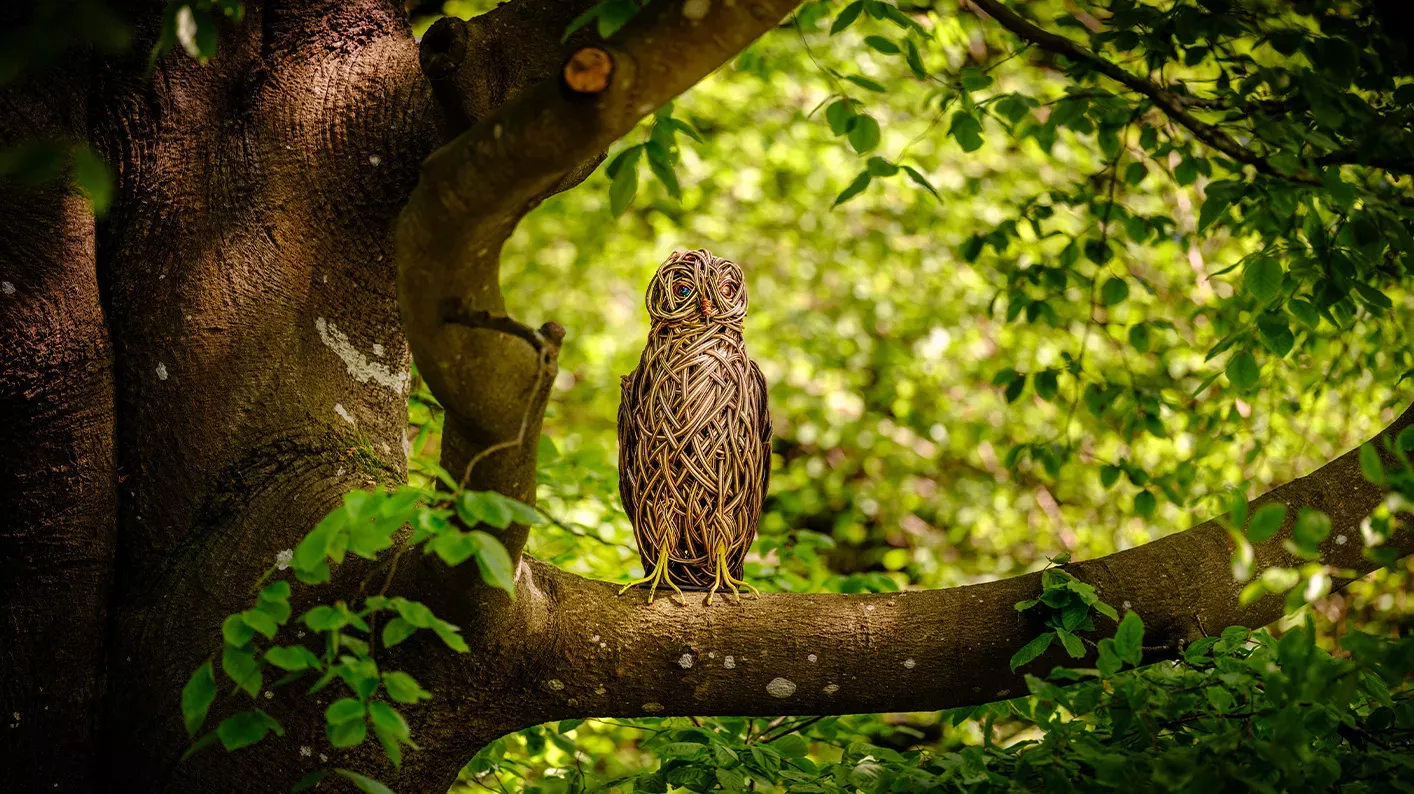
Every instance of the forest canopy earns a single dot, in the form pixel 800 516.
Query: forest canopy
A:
pixel 1030 284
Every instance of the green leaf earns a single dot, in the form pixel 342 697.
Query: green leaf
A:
pixel 1243 372
pixel 292 658
pixel 921 180
pixel 614 14
pixel 365 784
pixel 242 668
pixel 350 733
pixel 879 166
pixel 1072 644
pixel 792 745
pixel 1266 520
pixel 1275 334
pixel 1108 662
pixel 1045 384
pixel 247 728
pixel 883 45
pixel 1376 299
pixel 197 697
pixel 847 16
pixel 863 132
pixel 914 59
pixel 396 631
pixel 261 622
pixel 1114 291
pixel 93 177
pixel 404 688
pixel 966 129
pixel 1139 337
pixel 1304 312
pixel 838 114
pixel 310 780
pixel 388 718
pixel 1262 279
pixel 343 710
pixel 236 631
pixel 1214 206
pixel 1370 465
pixel 622 189
pixel 1109 475
pixel 1032 649
pixel 855 188
pixel 865 83
pixel 666 175
pixel 1129 638
pixel 494 562
pixel 1144 503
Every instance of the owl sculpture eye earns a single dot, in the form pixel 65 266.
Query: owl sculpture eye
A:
pixel 728 289
pixel 682 290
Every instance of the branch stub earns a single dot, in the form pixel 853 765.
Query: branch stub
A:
pixel 587 70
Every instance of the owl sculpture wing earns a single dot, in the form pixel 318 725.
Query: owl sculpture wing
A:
pixel 766 430
pixel 628 445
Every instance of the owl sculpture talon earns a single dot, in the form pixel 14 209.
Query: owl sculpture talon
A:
pixel 660 574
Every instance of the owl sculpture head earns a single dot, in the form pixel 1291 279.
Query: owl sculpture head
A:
pixel 695 289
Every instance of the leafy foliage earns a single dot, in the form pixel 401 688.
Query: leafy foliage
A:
pixel 338 643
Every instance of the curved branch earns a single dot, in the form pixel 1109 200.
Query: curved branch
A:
pixel 1175 106
pixel 474 190
pixel 909 651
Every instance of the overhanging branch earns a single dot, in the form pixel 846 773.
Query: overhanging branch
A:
pixel 1174 105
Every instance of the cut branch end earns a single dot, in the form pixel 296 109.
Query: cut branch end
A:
pixel 588 70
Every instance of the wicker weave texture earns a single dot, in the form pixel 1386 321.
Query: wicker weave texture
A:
pixel 694 429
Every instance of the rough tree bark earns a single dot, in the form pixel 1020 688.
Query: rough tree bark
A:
pixel 187 385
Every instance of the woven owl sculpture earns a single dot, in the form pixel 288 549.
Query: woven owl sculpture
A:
pixel 694 431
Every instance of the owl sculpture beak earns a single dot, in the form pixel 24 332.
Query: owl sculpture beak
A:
pixel 708 308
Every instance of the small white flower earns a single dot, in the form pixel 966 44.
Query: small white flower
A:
pixel 284 558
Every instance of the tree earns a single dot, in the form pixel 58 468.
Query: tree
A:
pixel 180 376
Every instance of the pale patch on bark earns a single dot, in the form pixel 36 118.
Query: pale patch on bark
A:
pixel 831 689
pixel 696 9
pixel 685 661
pixel 161 371
pixel 361 367
pixel 780 688
pixel 652 708
pixel 343 413
pixel 729 662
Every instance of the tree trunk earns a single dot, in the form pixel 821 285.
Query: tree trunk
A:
pixel 189 384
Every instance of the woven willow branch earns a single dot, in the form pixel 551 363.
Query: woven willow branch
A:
pixel 694 429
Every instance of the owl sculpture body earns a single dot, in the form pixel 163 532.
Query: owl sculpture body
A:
pixel 694 430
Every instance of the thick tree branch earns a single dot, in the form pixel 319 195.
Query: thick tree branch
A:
pixel 474 191
pixel 910 651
